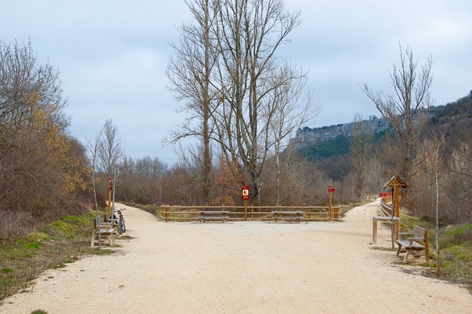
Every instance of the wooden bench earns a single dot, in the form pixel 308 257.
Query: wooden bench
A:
pixel 409 241
pixel 204 215
pixel 287 215
pixel 113 221
pixel 102 231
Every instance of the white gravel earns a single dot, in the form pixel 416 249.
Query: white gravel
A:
pixel 250 267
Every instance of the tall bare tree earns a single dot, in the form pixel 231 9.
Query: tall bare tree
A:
pixel 93 146
pixel 189 73
pixel 404 110
pixel 227 71
pixel 249 34
pixel 360 147
pixel 294 107
pixel 110 154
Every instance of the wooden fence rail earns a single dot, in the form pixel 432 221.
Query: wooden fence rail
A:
pixel 253 213
pixel 385 208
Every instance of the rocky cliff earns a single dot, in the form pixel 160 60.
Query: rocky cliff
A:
pixel 309 136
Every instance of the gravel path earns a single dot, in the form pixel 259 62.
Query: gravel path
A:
pixel 243 267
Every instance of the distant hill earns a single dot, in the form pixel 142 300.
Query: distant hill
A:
pixel 310 136
pixel 317 144
pixel 457 111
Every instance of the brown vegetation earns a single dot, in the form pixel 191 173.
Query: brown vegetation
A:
pixel 43 171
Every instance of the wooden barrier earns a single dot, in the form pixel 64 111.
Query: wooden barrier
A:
pixel 385 208
pixel 385 215
pixel 381 218
pixel 254 213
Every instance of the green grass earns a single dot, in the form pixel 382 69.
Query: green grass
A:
pixel 54 246
pixel 455 248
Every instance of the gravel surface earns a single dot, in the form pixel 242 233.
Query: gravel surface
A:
pixel 244 267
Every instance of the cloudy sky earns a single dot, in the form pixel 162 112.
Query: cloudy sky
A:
pixel 112 56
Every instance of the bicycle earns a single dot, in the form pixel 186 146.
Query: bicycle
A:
pixel 120 221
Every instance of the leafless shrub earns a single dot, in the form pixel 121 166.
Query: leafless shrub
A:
pixel 16 223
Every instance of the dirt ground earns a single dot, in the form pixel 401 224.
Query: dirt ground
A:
pixel 244 267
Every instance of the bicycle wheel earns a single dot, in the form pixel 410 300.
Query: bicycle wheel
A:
pixel 120 226
pixel 123 226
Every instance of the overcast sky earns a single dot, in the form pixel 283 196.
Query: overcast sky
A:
pixel 112 56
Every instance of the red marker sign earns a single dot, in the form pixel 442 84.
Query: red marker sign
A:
pixel 331 189
pixel 245 193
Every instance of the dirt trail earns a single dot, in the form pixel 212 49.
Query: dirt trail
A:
pixel 243 267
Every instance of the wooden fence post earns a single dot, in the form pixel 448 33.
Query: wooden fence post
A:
pixel 166 212
pixel 336 213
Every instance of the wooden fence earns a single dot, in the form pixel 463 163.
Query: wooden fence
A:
pixel 386 210
pixel 251 213
pixel 386 207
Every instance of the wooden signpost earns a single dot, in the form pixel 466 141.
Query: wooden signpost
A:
pixel 110 189
pixel 245 197
pixel 330 191
pixel 395 183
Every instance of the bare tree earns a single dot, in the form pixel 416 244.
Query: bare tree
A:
pixel 249 34
pixel 227 71
pixel 459 177
pixel 404 110
pixel 293 107
pixel 360 147
pixel 93 149
pixel 110 154
pixel 189 73
pixel 27 87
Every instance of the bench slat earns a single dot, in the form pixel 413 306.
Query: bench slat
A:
pixel 413 246
pixel 212 215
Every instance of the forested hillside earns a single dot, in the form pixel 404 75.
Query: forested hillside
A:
pixel 446 133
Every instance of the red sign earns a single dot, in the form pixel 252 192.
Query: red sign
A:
pixel 331 189
pixel 110 183
pixel 245 193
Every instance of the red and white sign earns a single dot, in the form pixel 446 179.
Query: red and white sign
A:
pixel 245 193
pixel 331 189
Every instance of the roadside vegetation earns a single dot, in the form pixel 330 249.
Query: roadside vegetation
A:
pixel 56 244
pixel 455 249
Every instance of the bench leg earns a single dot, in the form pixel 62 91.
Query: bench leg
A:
pixel 374 231
pixel 399 248
pixel 406 256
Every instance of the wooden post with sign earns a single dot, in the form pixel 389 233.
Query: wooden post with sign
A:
pixel 330 191
pixel 245 197
pixel 395 183
pixel 110 184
